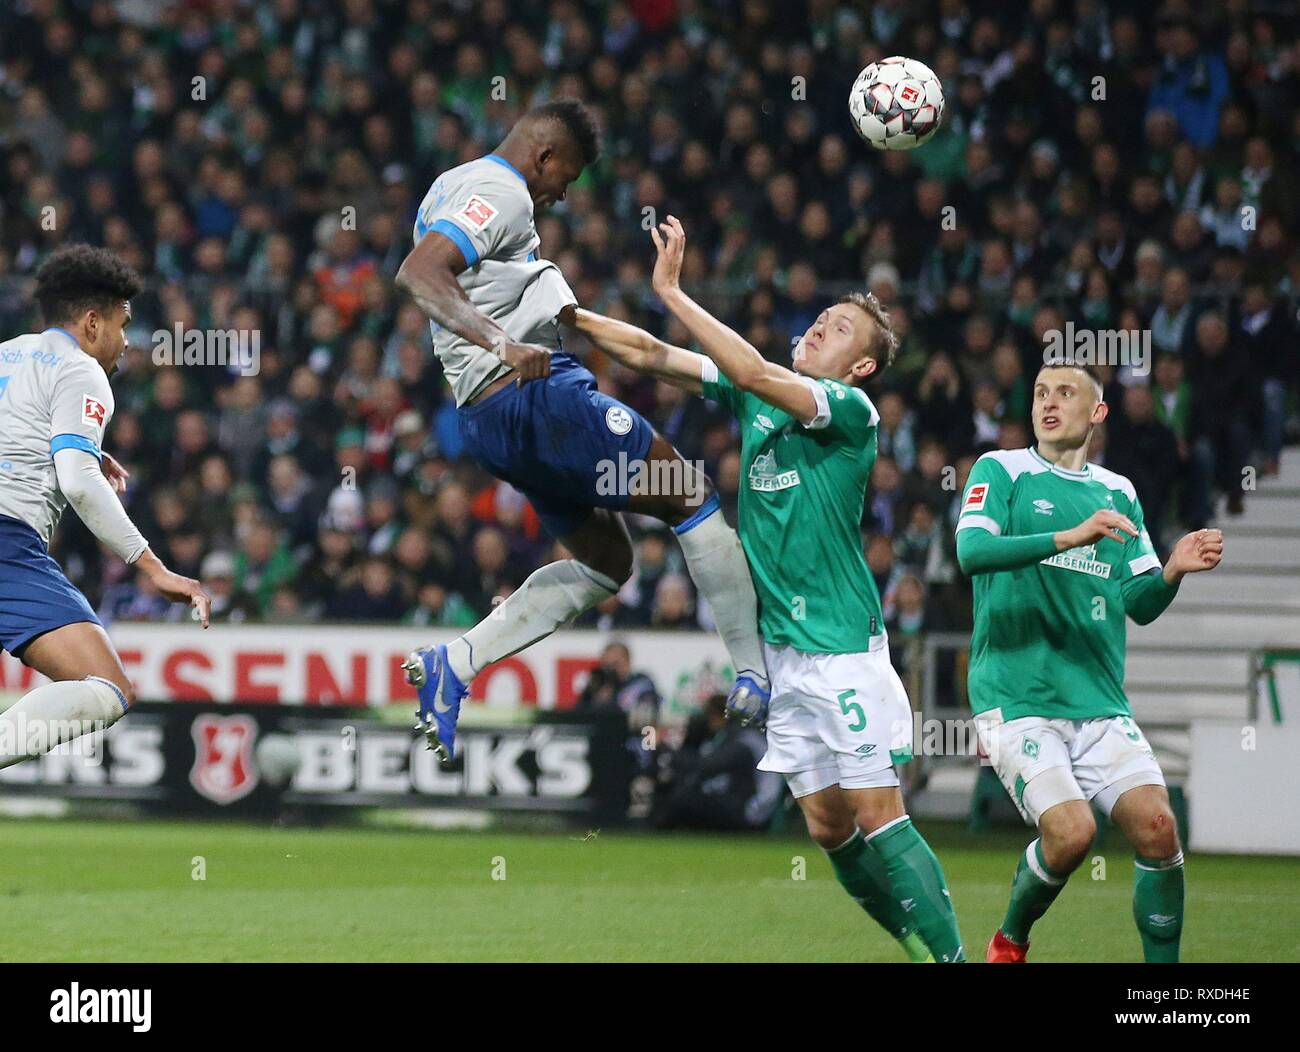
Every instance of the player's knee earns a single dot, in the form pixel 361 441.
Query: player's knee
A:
pixel 878 809
pixel 828 826
pixel 123 685
pixel 616 563
pixel 1067 838
pixel 1157 835
pixel 829 833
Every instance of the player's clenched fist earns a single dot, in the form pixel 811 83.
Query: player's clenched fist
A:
pixel 529 360
pixel 1099 524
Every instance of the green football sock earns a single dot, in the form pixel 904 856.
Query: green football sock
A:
pixel 919 886
pixel 1158 907
pixel 863 875
pixel 1033 889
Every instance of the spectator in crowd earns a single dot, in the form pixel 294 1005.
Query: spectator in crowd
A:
pixel 714 782
pixel 613 684
pixel 1145 451
pixel 1222 405
pixel 229 602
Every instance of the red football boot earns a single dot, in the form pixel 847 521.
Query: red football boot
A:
pixel 1003 951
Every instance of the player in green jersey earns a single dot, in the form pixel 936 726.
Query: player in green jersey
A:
pixel 839 718
pixel 1060 555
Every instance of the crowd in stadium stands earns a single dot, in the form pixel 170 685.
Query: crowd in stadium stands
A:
pixel 1113 166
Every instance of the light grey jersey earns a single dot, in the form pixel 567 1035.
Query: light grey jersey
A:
pixel 53 396
pixel 484 207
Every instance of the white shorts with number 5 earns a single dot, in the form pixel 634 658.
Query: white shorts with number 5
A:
pixel 836 719
pixel 1046 762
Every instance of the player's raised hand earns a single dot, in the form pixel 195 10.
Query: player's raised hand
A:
pixel 115 473
pixel 529 360
pixel 1196 551
pixel 670 247
pixel 1100 524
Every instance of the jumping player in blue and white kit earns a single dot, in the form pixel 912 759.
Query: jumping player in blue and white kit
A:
pixel 530 413
pixel 55 403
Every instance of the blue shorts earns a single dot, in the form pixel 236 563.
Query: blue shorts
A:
pixel 549 438
pixel 35 596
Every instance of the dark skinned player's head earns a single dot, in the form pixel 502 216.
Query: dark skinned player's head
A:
pixel 551 145
pixel 87 291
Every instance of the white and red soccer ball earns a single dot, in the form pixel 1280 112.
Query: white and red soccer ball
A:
pixel 896 103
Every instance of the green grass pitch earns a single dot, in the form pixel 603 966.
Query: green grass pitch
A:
pixel 125 891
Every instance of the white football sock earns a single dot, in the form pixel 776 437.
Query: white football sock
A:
pixel 718 568
pixel 552 595
pixel 56 713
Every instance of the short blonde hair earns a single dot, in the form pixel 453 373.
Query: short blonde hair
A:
pixel 885 345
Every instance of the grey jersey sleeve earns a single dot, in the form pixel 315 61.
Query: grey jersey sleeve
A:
pixel 81 405
pixel 82 481
pixel 485 218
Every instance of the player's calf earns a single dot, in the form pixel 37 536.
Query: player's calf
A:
pixel 1066 832
pixel 714 557
pixel 1147 821
pixel 859 869
pixel 56 713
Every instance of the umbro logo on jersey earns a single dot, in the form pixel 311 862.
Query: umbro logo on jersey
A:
pixel 764 424
pixel 1044 507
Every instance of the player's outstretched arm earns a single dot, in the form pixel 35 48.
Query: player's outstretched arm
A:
pixel 89 491
pixel 428 276
pixel 735 356
pixel 638 350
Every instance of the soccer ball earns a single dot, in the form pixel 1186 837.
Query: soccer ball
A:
pixel 896 103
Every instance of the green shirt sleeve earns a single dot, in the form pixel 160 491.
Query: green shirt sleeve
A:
pixel 979 551
pixel 724 392
pixel 1147 596
pixel 984 516
pixel 1146 593
pixel 844 411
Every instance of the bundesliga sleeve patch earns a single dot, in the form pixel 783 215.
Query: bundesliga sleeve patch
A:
pixel 478 212
pixel 92 411
pixel 975 497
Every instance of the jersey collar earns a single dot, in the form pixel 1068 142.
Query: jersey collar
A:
pixel 58 329
pixel 1086 473
pixel 496 158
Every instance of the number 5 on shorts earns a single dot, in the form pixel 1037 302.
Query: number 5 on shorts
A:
pixel 854 709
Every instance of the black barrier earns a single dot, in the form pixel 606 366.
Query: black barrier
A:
pixel 260 759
